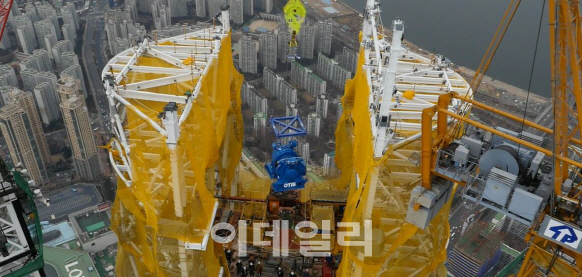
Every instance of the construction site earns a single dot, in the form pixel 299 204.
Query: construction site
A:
pixel 426 179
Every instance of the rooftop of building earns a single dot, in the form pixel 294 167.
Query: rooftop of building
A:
pixel 91 222
pixel 57 234
pixel 61 262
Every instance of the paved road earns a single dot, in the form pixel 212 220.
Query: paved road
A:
pixel 94 60
pixel 94 57
pixel 66 201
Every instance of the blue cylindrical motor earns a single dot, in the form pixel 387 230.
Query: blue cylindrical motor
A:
pixel 286 167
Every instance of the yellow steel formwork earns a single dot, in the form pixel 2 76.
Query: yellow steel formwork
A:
pixel 165 201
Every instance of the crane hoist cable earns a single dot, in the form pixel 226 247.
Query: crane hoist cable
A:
pixel 487 58
pixel 533 63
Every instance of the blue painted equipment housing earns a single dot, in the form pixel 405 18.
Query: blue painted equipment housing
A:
pixel 288 126
pixel 286 167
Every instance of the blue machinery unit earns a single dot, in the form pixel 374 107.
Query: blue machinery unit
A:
pixel 287 167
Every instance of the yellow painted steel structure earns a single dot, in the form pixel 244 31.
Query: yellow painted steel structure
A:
pixel 294 13
pixel 379 188
pixel 175 109
pixel 566 67
pixel 544 257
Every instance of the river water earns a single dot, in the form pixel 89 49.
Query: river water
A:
pixel 462 30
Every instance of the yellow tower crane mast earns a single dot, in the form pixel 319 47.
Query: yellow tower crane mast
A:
pixel 378 151
pixel 388 126
pixel 560 254
pixel 546 200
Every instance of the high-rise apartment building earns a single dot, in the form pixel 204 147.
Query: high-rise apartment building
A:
pixel 131 9
pixel 248 7
pixel 328 163
pixel 119 45
pixel 324 66
pixel 69 86
pixel 111 30
pixel 270 80
pixel 25 33
pixel 267 5
pixel 332 70
pixel 248 55
pixel 213 7
pixel 305 77
pixel 178 8
pixel 201 8
pixel 7 76
pixel 69 58
pixel 15 125
pixel 5 43
pixel 46 11
pixel 70 16
pixel 323 34
pixel 25 100
pixel 260 124
pixel 476 252
pixel 313 124
pixel 252 97
pixel 31 12
pixel 321 106
pixel 31 78
pixel 279 87
pixel 23 134
pixel 71 22
pixel 291 110
pixel 268 50
pixel 68 32
pixel 80 133
pixel 306 41
pixel 283 39
pixel 340 75
pixel 45 31
pixel 338 111
pixel 39 61
pixel 237 11
pixel 47 101
pixel 349 59
pixel 4 95
pixel 76 72
pixel 58 50
pixel 303 149
pixel 15 11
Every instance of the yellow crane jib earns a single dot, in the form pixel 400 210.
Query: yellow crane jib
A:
pixel 294 16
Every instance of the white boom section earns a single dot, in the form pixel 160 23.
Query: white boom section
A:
pixel 392 69
pixel 119 95
pixel 201 48
pixel 383 134
pixel 402 83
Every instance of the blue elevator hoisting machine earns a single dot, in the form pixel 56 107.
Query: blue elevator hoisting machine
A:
pixel 287 168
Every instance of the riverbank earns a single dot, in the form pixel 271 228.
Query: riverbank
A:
pixel 490 86
pixel 468 74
